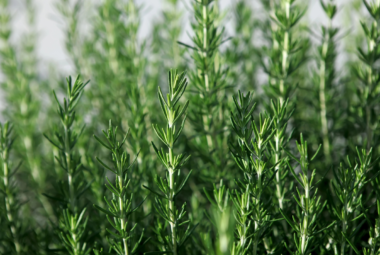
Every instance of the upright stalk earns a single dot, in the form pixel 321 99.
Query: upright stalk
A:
pixel 309 204
pixel 173 223
pixel 173 220
pixel 250 154
pixel 206 118
pixel 287 51
pixel 326 74
pixel 281 117
pixel 371 47
pixel 322 99
pixel 208 79
pixel 10 206
pixel 121 207
pixel 368 73
pixel 169 187
pixel 71 218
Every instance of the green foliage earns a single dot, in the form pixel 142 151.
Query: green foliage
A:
pixel 72 222
pixel 208 84
pixel 252 213
pixel 171 186
pixel 10 204
pixel 365 110
pixel 287 51
pixel 325 80
pixel 348 186
pixel 120 207
pixel 250 186
pixel 310 206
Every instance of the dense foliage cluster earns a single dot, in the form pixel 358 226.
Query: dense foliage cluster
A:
pixel 240 134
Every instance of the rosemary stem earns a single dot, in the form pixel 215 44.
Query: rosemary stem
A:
pixel 69 171
pixel 206 118
pixel 322 99
pixel 344 229
pixel 285 54
pixel 278 174
pixel 171 203
pixel 121 208
pixel 305 224
pixel 9 202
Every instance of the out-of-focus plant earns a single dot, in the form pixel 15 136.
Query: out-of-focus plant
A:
pixel 14 232
pixel 208 82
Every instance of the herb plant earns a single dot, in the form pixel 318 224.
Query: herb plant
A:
pixel 120 207
pixel 10 203
pixel 254 82
pixel 72 217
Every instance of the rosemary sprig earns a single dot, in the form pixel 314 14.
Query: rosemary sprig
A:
pixel 120 207
pixel 348 186
pixel 367 91
pixel 208 82
pixel 286 53
pixel 251 156
pixel 305 224
pixel 72 220
pixel 171 186
pixel 12 238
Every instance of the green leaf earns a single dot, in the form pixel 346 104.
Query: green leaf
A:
pixel 349 242
pixel 103 164
pixel 288 220
pixel 102 143
pixel 154 192
pixel 105 211
pixel 182 184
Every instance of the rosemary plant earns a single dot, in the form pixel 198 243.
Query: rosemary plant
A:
pixel 126 65
pixel 241 212
pixel 72 220
pixel 310 206
pixel 19 85
pixel 326 76
pixel 348 186
pixel 251 157
pixel 71 12
pixel 120 207
pixel 171 186
pixel 374 237
pixel 278 143
pixel 12 236
pixel 221 217
pixel 208 82
pixel 366 111
pixel 287 51
pixel 241 55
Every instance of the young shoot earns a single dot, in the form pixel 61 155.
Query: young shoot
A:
pixel 120 207
pixel 73 222
pixel 171 186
